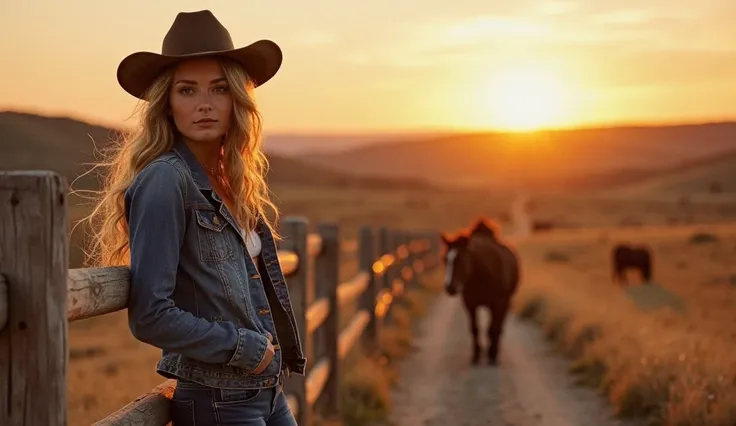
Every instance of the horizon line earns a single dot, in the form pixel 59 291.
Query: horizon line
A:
pixel 633 123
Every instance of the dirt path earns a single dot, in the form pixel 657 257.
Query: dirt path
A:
pixel 530 387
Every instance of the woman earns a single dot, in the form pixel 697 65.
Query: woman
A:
pixel 185 203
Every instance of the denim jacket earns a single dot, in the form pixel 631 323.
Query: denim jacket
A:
pixel 195 292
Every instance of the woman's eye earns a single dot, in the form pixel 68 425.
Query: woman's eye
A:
pixel 186 90
pixel 221 89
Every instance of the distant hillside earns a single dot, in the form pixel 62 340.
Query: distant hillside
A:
pixel 295 144
pixel 547 159
pixel 66 146
pixel 712 175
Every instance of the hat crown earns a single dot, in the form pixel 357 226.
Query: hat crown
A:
pixel 196 32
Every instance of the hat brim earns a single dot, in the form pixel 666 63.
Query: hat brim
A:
pixel 261 60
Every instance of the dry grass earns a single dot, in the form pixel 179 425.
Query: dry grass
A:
pixel 612 208
pixel 367 384
pixel 109 368
pixel 672 368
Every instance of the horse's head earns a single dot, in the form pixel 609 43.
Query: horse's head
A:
pixel 457 263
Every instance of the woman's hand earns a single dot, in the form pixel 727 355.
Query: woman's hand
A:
pixel 267 357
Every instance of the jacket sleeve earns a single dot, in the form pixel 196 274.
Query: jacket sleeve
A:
pixel 156 216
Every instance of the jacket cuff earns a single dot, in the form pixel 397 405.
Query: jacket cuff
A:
pixel 297 365
pixel 249 351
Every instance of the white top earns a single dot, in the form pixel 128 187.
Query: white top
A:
pixel 253 245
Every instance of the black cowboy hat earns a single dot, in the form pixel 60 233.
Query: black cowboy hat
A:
pixel 192 35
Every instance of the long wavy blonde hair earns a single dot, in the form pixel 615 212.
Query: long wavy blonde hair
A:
pixel 242 161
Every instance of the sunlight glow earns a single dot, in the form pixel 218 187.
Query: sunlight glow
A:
pixel 525 99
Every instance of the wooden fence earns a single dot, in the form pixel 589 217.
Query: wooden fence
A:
pixel 39 295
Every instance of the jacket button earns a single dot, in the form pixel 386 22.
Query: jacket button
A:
pixel 216 221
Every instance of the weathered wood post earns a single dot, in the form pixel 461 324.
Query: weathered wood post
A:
pixel 294 232
pixel 327 278
pixel 366 258
pixel 33 260
pixel 3 302
pixel 385 246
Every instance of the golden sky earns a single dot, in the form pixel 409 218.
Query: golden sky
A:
pixel 389 65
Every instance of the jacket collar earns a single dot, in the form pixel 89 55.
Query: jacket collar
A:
pixel 203 183
pixel 198 174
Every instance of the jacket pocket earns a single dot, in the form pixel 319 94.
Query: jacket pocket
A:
pixel 213 241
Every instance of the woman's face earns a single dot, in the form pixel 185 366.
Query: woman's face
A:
pixel 200 100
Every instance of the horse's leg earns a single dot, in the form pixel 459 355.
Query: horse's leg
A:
pixel 646 274
pixel 623 277
pixel 474 331
pixel 499 309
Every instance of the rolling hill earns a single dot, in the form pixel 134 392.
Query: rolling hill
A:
pixel 714 176
pixel 67 146
pixel 555 159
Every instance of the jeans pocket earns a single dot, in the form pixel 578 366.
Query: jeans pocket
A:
pixel 239 407
pixel 182 412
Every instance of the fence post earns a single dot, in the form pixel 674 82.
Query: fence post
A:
pixel 294 231
pixel 366 258
pixel 34 259
pixel 327 278
pixel 385 246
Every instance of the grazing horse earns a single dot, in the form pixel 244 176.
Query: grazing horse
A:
pixel 626 256
pixel 486 272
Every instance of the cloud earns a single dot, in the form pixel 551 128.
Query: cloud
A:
pixel 574 32
pixel 440 42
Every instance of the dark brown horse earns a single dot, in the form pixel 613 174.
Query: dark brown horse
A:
pixel 631 257
pixel 486 272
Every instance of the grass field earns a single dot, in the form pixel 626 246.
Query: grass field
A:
pixel 672 367
pixel 109 367
pixel 621 208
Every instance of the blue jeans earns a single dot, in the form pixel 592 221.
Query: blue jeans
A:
pixel 197 405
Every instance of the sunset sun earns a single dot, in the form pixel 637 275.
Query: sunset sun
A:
pixel 525 100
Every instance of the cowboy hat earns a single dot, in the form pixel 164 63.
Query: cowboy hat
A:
pixel 193 35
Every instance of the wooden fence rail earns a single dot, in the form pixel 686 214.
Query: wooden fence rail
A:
pixel 39 295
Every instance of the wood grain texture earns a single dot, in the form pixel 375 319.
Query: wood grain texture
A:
pixel 33 259
pixel 149 409
pixel 3 302
pixel 97 291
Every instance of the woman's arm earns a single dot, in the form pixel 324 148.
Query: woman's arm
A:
pixel 154 206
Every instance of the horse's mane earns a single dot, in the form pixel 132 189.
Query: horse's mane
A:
pixel 482 227
pixel 486 226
